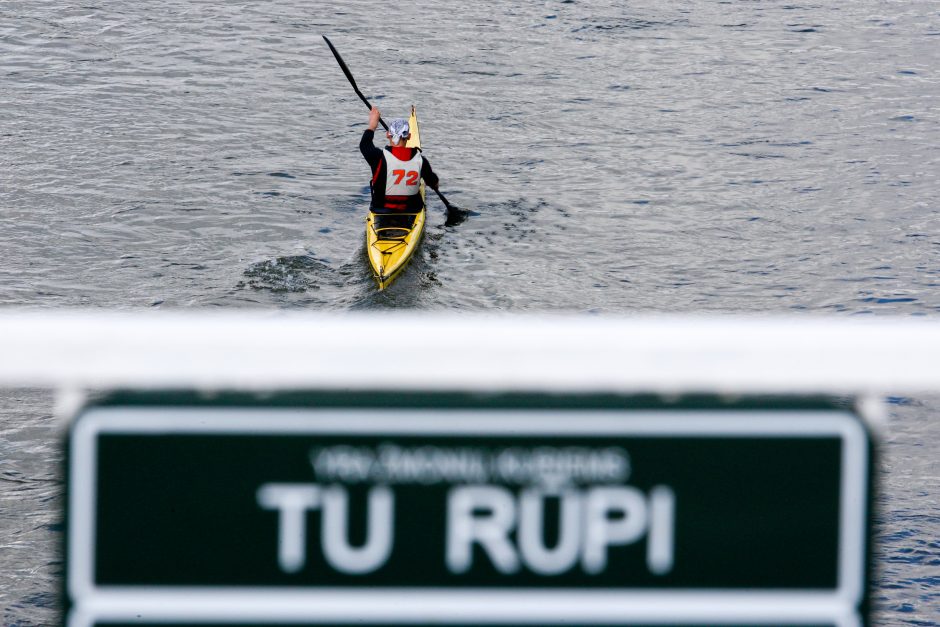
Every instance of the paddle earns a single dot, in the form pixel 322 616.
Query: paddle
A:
pixel 349 76
pixel 455 215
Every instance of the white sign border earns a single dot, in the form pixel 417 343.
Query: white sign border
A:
pixel 403 606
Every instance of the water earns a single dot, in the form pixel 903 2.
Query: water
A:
pixel 692 156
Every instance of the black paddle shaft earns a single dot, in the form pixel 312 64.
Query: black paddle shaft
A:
pixel 454 215
pixel 352 81
pixel 444 200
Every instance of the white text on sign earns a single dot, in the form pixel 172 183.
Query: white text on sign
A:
pixel 507 526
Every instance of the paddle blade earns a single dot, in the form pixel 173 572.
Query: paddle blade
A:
pixel 342 64
pixel 352 81
pixel 455 215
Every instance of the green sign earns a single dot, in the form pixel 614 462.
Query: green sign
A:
pixel 458 510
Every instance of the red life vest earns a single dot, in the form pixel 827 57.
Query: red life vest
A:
pixel 402 177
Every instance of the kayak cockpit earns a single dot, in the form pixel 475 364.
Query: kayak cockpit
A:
pixel 391 226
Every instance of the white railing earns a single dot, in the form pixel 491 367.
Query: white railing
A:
pixel 278 350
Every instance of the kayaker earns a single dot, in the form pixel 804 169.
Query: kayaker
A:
pixel 396 170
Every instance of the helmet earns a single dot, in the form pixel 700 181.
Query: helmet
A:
pixel 398 129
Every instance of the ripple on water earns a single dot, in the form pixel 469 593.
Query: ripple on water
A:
pixel 297 273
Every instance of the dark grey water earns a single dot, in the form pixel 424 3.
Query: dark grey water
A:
pixel 688 156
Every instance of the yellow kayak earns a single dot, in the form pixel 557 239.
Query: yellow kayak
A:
pixel 392 238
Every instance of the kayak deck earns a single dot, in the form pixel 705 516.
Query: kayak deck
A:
pixel 392 238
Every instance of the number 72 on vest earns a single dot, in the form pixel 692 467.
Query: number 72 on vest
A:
pixel 400 174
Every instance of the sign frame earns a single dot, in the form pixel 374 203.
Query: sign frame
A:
pixel 337 412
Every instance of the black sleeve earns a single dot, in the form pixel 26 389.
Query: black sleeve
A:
pixel 372 154
pixel 428 174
